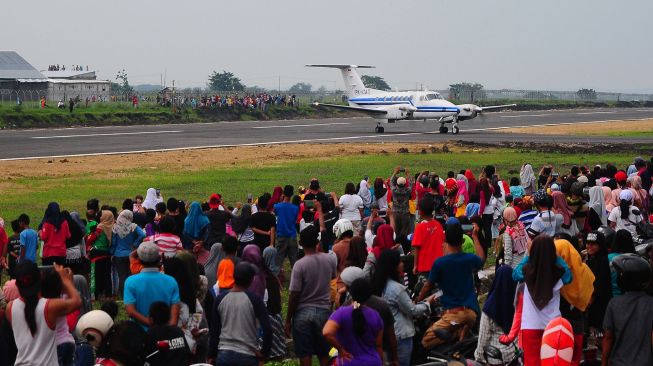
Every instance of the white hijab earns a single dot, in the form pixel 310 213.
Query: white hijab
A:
pixel 150 199
pixel 597 203
pixel 526 175
pixel 364 193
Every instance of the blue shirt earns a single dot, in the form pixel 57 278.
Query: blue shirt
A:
pixel 122 247
pixel 286 218
pixel 148 287
pixel 30 240
pixel 518 272
pixel 454 274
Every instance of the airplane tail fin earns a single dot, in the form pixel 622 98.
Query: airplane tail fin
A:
pixel 352 79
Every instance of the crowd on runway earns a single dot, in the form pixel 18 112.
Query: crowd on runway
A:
pixel 204 282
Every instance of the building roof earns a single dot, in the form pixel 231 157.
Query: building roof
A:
pixel 68 74
pixel 77 81
pixel 13 66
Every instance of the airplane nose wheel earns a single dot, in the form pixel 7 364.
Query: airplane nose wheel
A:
pixel 379 129
pixel 455 129
pixel 444 129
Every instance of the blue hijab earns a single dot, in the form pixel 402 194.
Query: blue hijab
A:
pixel 500 303
pixel 196 221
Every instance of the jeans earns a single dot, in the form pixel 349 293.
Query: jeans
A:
pixel 404 350
pixel 229 358
pixel 122 268
pixel 455 321
pixel 65 354
pixel 307 336
pixel 286 247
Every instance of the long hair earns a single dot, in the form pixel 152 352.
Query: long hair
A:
pixel 484 187
pixel 175 268
pixel 360 293
pixel 28 282
pixel 624 207
pixel 357 252
pixel 541 273
pixel 386 269
pixel 379 188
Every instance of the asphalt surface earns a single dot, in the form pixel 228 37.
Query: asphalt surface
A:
pixel 44 143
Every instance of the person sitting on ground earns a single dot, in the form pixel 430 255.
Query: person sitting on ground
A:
pixel 225 274
pixel 454 274
pixel 177 353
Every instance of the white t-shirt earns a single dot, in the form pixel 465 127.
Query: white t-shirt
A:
pixel 491 206
pixel 629 224
pixel 350 204
pixel 534 318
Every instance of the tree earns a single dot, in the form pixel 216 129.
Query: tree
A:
pixel 586 94
pixel 375 82
pixel 466 91
pixel 122 87
pixel 300 88
pixel 321 90
pixel 224 81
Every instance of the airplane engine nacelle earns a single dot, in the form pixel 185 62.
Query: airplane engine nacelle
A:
pixel 399 112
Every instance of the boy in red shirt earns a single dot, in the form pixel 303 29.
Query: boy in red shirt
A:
pixel 428 238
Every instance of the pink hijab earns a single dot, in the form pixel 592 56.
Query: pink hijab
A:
pixel 462 190
pixel 610 203
pixel 561 207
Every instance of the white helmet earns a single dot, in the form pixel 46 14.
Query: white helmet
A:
pixel 93 327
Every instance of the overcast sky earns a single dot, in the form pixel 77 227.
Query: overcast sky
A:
pixel 553 45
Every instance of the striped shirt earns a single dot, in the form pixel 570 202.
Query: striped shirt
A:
pixel 527 218
pixel 168 244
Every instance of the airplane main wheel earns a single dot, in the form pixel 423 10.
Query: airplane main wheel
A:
pixel 443 129
pixel 455 130
pixel 379 129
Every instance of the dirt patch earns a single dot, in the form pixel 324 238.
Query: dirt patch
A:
pixel 194 160
pixel 594 128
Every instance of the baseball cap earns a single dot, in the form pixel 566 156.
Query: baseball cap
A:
pixel 626 195
pixel 351 274
pixel 28 278
pixel 621 176
pixel 214 201
pixel 583 179
pixel 148 253
pixel 401 181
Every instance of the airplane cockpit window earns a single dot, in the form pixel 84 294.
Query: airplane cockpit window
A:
pixel 433 96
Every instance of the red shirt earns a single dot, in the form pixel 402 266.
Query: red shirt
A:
pixel 420 191
pixel 3 239
pixel 54 241
pixel 428 237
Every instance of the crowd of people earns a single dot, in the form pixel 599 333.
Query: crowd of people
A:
pixel 63 68
pixel 203 282
pixel 261 101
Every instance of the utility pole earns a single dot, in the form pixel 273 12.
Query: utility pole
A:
pixel 279 84
pixel 174 107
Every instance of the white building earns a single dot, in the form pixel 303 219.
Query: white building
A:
pixel 66 84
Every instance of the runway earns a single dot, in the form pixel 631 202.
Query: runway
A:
pixel 84 141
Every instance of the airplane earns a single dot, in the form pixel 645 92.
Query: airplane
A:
pixel 390 107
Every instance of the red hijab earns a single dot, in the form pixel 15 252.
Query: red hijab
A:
pixel 276 198
pixel 384 239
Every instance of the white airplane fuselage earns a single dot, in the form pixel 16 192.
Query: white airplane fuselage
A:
pixel 410 105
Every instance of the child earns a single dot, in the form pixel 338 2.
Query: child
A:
pixel 51 288
pixel 516 190
pixel 628 320
pixel 226 266
pixel 13 248
pixel 29 240
pixel 177 352
pixel 473 206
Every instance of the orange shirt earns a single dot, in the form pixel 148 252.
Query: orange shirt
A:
pixel 226 273
pixel 429 238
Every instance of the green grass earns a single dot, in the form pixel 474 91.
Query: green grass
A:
pixel 629 133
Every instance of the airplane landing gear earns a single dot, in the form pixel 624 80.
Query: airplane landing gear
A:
pixel 443 129
pixel 455 129
pixel 379 129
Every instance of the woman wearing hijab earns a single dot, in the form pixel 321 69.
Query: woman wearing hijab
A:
pixel 496 317
pixel 544 274
pixel 100 243
pixel 196 227
pixel 488 206
pixel 276 198
pixel 462 198
pixel 54 233
pixel 472 184
pixel 242 226
pixel 597 261
pixel 365 195
pixel 125 239
pixel 610 202
pixel 383 240
pixel 561 207
pixel 639 193
pixel 75 244
pixel 515 239
pixel 597 214
pixel 527 179
pixel 576 295
pixel 151 199
pixel 252 255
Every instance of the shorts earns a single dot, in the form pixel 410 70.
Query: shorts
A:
pixel 307 336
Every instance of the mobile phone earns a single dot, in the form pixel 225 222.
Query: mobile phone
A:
pixel 249 198
pixel 158 192
pixel 467 227
pixel 309 204
pixel 45 268
pixel 555 175
pixel 402 169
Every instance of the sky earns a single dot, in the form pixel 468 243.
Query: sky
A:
pixel 515 44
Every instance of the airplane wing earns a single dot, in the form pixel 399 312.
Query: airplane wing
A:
pixel 370 111
pixel 498 106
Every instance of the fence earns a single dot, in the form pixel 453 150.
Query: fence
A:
pixel 30 98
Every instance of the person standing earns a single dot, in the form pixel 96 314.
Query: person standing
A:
pixel 428 238
pixel 234 328
pixel 309 302
pixel 126 238
pixel 401 192
pixel 264 225
pixel 286 231
pixel 351 207
pixel 29 240
pixel 54 234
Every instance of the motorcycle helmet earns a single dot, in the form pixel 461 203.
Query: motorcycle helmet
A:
pixel 633 272
pixel 93 327
pixel 608 234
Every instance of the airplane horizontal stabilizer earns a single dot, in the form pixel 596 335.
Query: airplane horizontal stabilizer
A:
pixel 336 66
